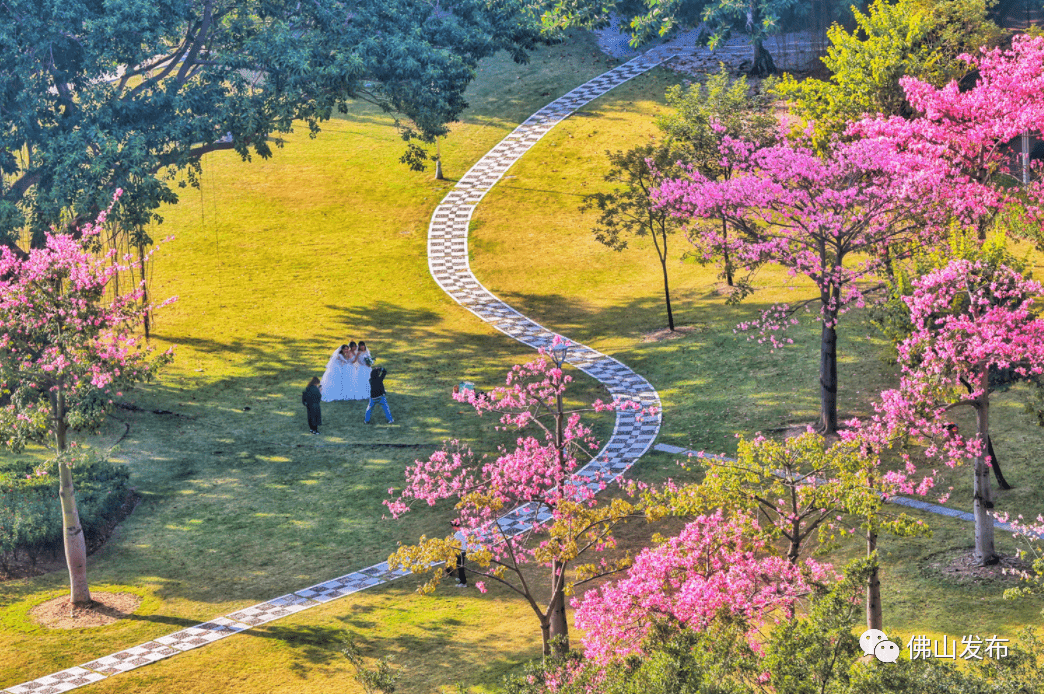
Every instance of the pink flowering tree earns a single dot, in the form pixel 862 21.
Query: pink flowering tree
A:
pixel 962 134
pixel 526 507
pixel 714 565
pixel 806 495
pixel 969 318
pixel 834 219
pixel 65 353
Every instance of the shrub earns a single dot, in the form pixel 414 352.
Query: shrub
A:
pixel 30 513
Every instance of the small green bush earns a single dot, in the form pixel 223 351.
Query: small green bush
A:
pixel 30 512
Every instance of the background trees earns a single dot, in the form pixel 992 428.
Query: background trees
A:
pixel 648 19
pixel 813 215
pixel 65 352
pixel 703 116
pixel 891 40
pixel 99 96
pixel 631 209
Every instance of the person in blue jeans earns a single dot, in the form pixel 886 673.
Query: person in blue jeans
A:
pixel 377 395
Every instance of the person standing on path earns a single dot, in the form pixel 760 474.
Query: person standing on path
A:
pixel 377 395
pixel 460 573
pixel 310 398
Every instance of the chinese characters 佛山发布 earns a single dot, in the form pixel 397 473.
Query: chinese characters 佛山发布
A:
pixel 972 647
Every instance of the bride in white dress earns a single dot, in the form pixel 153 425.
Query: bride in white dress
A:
pixel 361 375
pixel 336 382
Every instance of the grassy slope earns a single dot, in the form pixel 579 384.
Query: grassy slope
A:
pixel 241 506
pixel 275 263
pixel 716 384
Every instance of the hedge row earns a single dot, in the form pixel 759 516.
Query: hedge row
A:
pixel 31 514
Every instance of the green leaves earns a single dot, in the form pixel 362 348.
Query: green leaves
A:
pixel 99 96
pixel 919 38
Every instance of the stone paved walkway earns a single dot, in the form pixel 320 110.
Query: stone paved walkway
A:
pixel 937 509
pixel 448 262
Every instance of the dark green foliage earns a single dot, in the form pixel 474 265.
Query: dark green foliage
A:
pixel 30 515
pixel 125 94
pixel 649 19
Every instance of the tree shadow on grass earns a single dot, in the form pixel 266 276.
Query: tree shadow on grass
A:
pixel 261 508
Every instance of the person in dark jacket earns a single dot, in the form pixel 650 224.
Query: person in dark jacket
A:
pixel 377 396
pixel 310 398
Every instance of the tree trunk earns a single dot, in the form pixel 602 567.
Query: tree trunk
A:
pixel 75 545
pixel 725 251
pixel 666 288
pixel 886 260
pixel 995 465
pixel 763 64
pixel 828 378
pixel 145 318
pixel 438 161
pixel 558 625
pixel 874 615
pixel 983 496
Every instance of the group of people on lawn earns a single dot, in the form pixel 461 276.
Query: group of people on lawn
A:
pixel 344 380
pixel 350 375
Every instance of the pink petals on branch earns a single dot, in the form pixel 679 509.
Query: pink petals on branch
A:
pixel 709 567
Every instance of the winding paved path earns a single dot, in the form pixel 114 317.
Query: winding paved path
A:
pixel 448 261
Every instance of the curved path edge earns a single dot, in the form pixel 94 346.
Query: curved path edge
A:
pixel 448 261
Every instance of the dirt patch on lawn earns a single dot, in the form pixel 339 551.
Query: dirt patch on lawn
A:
pixel 107 608
pixel 668 334
pixel 957 565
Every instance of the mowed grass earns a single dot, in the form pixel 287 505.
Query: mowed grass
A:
pixel 276 263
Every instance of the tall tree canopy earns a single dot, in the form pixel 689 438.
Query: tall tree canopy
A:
pixel 827 218
pixel 891 40
pixel 97 95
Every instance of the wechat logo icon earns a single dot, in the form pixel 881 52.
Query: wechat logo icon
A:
pixel 875 643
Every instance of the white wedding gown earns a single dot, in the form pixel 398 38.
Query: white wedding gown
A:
pixel 360 381
pixel 336 381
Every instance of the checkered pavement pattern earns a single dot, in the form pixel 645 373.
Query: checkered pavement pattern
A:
pixel 632 436
pixel 633 433
pixel 208 632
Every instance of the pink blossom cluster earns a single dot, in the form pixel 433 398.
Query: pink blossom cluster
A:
pixel 968 319
pixel 825 217
pixel 59 332
pixel 710 567
pixel 535 470
pixel 958 136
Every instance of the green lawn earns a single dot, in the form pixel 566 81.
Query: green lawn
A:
pixel 277 262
